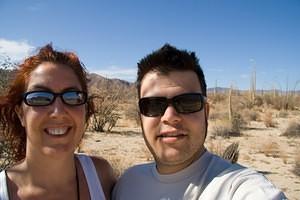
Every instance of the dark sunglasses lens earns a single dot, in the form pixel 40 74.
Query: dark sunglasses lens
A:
pixel 38 98
pixel 74 98
pixel 188 103
pixel 153 106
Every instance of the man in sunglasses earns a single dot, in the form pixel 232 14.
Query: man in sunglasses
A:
pixel 174 112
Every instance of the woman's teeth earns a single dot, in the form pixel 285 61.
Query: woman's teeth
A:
pixel 57 131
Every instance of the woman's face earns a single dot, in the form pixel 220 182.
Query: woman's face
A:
pixel 55 129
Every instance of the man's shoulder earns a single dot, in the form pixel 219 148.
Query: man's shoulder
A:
pixel 139 170
pixel 134 181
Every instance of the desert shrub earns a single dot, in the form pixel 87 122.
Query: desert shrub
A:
pixel 121 162
pixel 268 120
pixel 281 102
pixel 283 114
pixel 214 115
pixel 132 112
pixel 217 98
pixel 270 149
pixel 237 123
pixel 6 70
pixel 249 115
pixel 215 146
pixel 244 102
pixel 297 101
pixel 296 169
pixel 106 115
pixel 221 128
pixel 275 101
pixel 231 153
pixel 226 128
pixel 258 101
pixel 7 154
pixel 292 130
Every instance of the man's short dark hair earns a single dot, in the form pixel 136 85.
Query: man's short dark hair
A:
pixel 167 59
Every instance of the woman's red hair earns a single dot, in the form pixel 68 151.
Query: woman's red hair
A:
pixel 11 129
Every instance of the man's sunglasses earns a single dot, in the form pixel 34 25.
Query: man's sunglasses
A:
pixel 184 104
pixel 45 98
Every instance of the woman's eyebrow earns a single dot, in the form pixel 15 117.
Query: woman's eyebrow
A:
pixel 43 87
pixel 38 87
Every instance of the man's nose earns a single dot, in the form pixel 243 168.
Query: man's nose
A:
pixel 170 114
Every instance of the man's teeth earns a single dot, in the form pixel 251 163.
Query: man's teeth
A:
pixel 57 131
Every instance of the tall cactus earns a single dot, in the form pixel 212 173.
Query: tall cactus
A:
pixel 230 105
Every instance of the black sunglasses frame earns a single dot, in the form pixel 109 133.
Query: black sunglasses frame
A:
pixel 53 96
pixel 165 102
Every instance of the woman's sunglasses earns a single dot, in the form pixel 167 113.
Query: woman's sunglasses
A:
pixel 184 104
pixel 45 98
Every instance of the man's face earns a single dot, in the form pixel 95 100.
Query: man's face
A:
pixel 175 140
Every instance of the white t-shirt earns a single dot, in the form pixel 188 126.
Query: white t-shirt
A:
pixel 94 184
pixel 210 177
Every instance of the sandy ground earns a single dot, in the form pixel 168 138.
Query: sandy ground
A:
pixel 261 148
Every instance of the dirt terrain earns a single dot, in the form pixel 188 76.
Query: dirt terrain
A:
pixel 261 148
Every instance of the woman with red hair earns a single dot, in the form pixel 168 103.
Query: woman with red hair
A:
pixel 43 117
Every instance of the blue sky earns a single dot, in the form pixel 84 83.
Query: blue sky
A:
pixel 230 37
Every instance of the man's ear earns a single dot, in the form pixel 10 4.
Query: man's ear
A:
pixel 206 109
pixel 19 111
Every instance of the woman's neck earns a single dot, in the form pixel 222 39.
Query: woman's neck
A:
pixel 44 177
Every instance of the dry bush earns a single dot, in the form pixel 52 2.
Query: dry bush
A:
pixel 226 129
pixel 221 128
pixel 270 149
pixel 283 114
pixel 250 115
pixel 292 130
pixel 7 67
pixel 7 154
pixel 280 102
pixel 132 112
pixel 244 102
pixel 237 123
pixel 230 153
pixel 216 98
pixel 218 111
pixel 215 114
pixel 296 169
pixel 215 146
pixel 297 101
pixel 268 120
pixel 258 101
pixel 106 115
pixel 120 163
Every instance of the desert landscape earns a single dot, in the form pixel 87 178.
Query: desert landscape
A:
pixel 268 137
pixel 263 125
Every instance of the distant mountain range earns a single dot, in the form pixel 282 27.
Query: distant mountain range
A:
pixel 98 81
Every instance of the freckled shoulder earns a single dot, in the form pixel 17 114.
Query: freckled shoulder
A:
pixel 105 174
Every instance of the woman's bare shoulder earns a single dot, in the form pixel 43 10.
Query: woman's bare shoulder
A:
pixel 105 173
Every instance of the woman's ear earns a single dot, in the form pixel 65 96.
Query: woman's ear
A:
pixel 19 111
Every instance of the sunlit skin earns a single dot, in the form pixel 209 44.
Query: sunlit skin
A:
pixel 175 139
pixel 40 174
pixel 39 120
